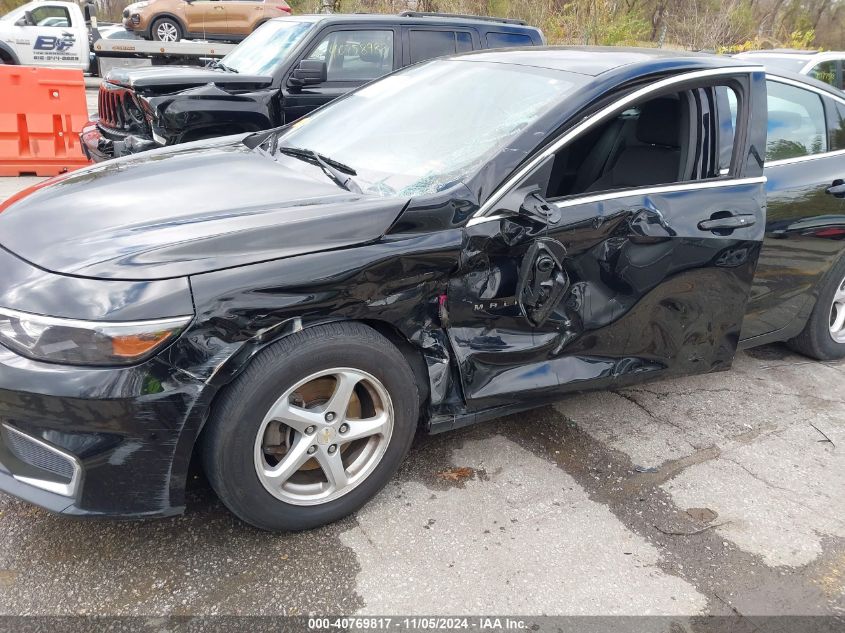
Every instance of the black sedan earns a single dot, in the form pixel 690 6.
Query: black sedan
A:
pixel 466 238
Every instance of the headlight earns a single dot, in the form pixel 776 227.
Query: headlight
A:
pixel 73 342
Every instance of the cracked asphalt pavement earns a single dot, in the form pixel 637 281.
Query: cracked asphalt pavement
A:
pixel 709 495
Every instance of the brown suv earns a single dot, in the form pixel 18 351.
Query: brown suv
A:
pixel 172 20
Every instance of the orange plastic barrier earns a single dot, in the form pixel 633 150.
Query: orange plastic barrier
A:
pixel 42 112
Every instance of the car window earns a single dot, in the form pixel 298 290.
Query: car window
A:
pixel 796 122
pixel 837 133
pixel 825 71
pixel 651 143
pixel 727 103
pixel 51 16
pixel 355 55
pixel 505 40
pixel 429 44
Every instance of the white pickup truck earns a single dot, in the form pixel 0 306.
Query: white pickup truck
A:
pixel 51 33
pixel 55 33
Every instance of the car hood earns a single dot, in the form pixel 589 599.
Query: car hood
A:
pixel 184 211
pixel 162 78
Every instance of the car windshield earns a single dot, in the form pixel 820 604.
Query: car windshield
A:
pixel 794 64
pixel 423 129
pixel 267 47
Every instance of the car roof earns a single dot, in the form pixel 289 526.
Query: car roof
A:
pixel 788 53
pixel 596 60
pixel 426 20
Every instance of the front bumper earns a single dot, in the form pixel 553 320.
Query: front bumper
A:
pixel 130 431
pixel 99 145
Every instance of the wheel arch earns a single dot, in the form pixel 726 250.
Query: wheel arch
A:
pixel 8 55
pixel 237 363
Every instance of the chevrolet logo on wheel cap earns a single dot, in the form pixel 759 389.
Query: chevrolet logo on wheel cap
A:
pixel 325 436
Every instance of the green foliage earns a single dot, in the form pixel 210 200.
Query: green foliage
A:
pixel 726 26
pixel 801 38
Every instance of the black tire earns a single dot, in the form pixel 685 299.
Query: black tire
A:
pixel 229 438
pixel 815 340
pixel 166 21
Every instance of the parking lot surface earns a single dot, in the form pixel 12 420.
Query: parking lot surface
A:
pixel 717 494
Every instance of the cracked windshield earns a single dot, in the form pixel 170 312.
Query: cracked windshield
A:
pixel 402 141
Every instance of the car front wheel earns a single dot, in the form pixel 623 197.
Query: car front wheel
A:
pixel 313 429
pixel 166 30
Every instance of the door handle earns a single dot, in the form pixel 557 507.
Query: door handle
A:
pixel 727 222
pixel 837 189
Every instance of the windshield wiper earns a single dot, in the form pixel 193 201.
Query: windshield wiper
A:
pixel 341 174
pixel 225 67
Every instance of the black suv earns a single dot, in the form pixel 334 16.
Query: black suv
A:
pixel 287 68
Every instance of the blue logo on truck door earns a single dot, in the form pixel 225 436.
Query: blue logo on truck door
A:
pixel 54 43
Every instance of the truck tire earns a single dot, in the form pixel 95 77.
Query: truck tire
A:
pixel 166 30
pixel 314 427
pixel 823 337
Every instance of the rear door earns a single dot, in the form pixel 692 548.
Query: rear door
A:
pixel 205 16
pixel 241 15
pixel 805 232
pixel 643 272
pixel 354 55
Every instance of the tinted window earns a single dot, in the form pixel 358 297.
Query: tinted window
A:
pixel 464 40
pixel 825 71
pixel 430 44
pixel 837 134
pixel 355 55
pixel 727 107
pixel 796 122
pixel 504 40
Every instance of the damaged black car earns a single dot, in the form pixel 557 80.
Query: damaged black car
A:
pixel 466 238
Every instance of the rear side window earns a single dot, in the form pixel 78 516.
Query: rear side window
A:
pixel 727 107
pixel 825 71
pixel 796 122
pixel 429 44
pixel 506 40
pixel 837 133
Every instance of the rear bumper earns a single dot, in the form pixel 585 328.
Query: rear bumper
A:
pixel 99 145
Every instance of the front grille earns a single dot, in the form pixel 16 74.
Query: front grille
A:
pixel 110 104
pixel 136 19
pixel 120 113
pixel 39 456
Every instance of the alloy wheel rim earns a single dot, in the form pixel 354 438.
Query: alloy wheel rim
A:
pixel 166 32
pixel 324 436
pixel 837 314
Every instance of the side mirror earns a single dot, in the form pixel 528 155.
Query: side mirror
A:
pixel 26 20
pixel 309 73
